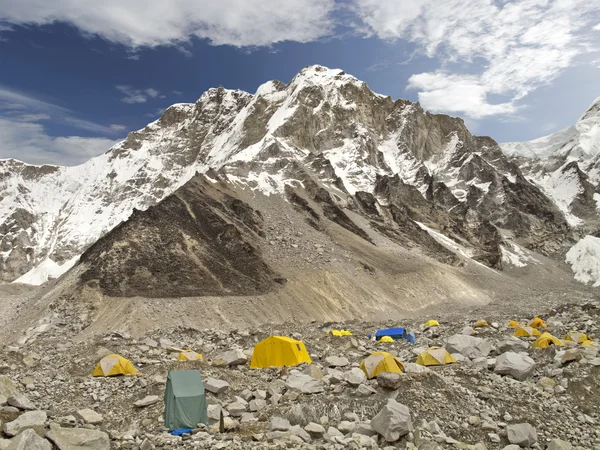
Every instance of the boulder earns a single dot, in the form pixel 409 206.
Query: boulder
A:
pixel 4 443
pixel 7 387
pixel 35 420
pixel 305 383
pixel 470 346
pixel 389 380
pixel 364 390
pixel 257 404
pixel 297 430
pixel 279 423
pixel 518 366
pixel 558 444
pixel 314 371
pixel 147 401
pixel 355 377
pixel 29 440
pixel 521 434
pixel 89 416
pixel 393 421
pixel 21 402
pixel 513 344
pixel 215 386
pixel 571 355
pixel 335 376
pixel 315 430
pixel 337 361
pixel 231 358
pixel 79 439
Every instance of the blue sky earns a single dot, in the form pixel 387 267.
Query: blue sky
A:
pixel 77 75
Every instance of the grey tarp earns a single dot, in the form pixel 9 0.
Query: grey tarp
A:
pixel 185 400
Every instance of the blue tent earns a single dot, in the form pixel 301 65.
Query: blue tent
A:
pixel 394 333
pixel 410 337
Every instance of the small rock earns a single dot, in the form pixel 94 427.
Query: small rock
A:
pixel 393 421
pixel 517 366
pixel 315 430
pixel 89 416
pixel 469 346
pixel 522 434
pixel 147 401
pixel 215 386
pixel 558 444
pixel 337 361
pixel 279 424
pixel 355 377
pixel 231 358
pixel 29 440
pixel 21 402
pixel 7 387
pixel 35 420
pixel 546 383
pixel 79 438
pixel 257 404
pixel 571 355
pixel 389 380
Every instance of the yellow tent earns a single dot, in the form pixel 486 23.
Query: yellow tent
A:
pixel 512 324
pixel 526 332
pixel 432 323
pixel 538 323
pixel 380 362
pixel 189 355
pixel 576 336
pixel 589 343
pixel 435 356
pixel 340 332
pixel 545 340
pixel 386 339
pixel 481 323
pixel 278 351
pixel 112 365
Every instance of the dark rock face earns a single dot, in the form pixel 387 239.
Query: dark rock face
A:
pixel 199 241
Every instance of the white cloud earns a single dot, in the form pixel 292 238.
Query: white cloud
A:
pixel 511 47
pixel 139 23
pixel 137 95
pixel 29 142
pixel 596 28
pixel 32 109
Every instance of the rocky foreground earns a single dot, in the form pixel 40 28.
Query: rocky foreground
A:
pixel 501 393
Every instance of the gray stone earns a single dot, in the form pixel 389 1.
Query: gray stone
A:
pixel 89 416
pixel 214 413
pixel 571 355
pixel 393 421
pixel 522 434
pixel 79 439
pixel 345 426
pixel 147 401
pixel 29 440
pixel 3 400
pixel 559 444
pixel 364 428
pixel 149 342
pixel 389 380
pixel 35 420
pixel 237 408
pixel 511 447
pixel 513 344
pixel 257 404
pixel 470 346
pixel 305 383
pixel 279 424
pixel 232 358
pixel 334 432
pixel 20 401
pixel 315 430
pixel 365 390
pixel 355 377
pixel 7 387
pixel 215 386
pixel 297 430
pixel 337 361
pixel 335 376
pixel 517 366
pixel 314 371
pixel 4 443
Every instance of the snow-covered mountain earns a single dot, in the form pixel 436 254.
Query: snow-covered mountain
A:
pixel 326 132
pixel 566 167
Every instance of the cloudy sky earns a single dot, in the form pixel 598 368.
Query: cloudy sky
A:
pixel 77 75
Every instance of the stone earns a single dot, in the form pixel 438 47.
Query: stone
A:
pixel 518 366
pixel 147 401
pixel 522 434
pixel 79 439
pixel 355 377
pixel 559 444
pixel 29 440
pixel 167 344
pixel 571 355
pixel 511 447
pixel 546 383
pixel 232 358
pixel 3 400
pixel 305 383
pixel 415 368
pixel 7 387
pixel 257 404
pixel 365 428
pixel 215 386
pixel 345 426
pixel 337 361
pixel 364 390
pixel 513 344
pixel 315 430
pixel 89 416
pixel 35 420
pixel 237 408
pixel 389 380
pixel 335 376
pixel 4 443
pixel 20 401
pixel 297 430
pixel 393 421
pixel 314 371
pixel 494 438
pixel 279 423
pixel 470 346
pixel 334 432
pixel 214 413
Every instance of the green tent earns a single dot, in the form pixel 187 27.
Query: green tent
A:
pixel 185 400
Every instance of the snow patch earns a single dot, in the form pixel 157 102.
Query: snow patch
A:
pixel 45 271
pixel 584 258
